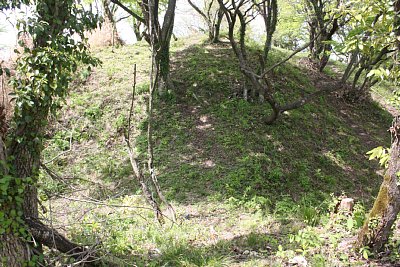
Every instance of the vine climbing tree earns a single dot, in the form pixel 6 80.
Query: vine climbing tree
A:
pixel 43 74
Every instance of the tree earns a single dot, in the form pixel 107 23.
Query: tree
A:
pixel 242 12
pixel 289 30
pixel 212 16
pixel 378 226
pixel 158 36
pixel 43 74
pixel 370 43
pixel 137 24
pixel 109 19
pixel 322 24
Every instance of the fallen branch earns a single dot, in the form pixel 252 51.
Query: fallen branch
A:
pixel 49 237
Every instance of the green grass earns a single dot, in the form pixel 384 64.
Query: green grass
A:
pixel 246 193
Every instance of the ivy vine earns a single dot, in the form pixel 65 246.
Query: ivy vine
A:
pixel 44 71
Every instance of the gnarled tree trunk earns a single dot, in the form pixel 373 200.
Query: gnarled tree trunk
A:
pixel 377 228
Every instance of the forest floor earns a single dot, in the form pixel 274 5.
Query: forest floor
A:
pixel 246 193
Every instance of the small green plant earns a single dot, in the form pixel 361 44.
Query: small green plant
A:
pixel 311 215
pixel 359 215
pixel 306 239
pixel 380 153
pixel 254 204
pixel 365 252
pixel 84 74
pixel 93 112
pixel 285 207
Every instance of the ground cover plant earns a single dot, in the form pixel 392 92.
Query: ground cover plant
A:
pixel 246 194
pixel 273 142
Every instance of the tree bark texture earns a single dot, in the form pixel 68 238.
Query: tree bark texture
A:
pixel 23 155
pixel 13 251
pixel 377 228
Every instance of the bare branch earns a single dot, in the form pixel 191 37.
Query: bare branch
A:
pixel 198 10
pixel 136 16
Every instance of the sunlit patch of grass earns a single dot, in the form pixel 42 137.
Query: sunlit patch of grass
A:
pixel 239 187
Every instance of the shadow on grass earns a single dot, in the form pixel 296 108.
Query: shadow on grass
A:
pixel 240 249
pixel 210 142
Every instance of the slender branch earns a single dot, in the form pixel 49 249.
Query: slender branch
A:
pixel 293 54
pixel 122 18
pixel 100 203
pixel 134 162
pixel 136 16
pixel 198 10
pixel 52 239
pixel 328 88
pixel 62 153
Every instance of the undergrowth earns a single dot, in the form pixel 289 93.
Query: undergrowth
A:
pixel 246 193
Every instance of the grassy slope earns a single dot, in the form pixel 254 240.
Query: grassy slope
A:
pixel 240 187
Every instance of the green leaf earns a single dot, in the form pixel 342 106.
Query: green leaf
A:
pixel 350 223
pixel 365 254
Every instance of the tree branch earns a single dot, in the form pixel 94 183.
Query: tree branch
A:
pixel 52 239
pixel 136 16
pixel 198 10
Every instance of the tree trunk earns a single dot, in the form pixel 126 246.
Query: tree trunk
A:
pixel 270 14
pixel 162 46
pixel 136 30
pixel 324 60
pixel 13 251
pixel 109 19
pixel 377 228
pixel 25 160
pixel 350 66
pixel 164 78
pixel 313 45
pixel 23 155
pixel 217 27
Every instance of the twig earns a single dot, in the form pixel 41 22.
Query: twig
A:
pixel 99 203
pixel 62 153
pixel 295 51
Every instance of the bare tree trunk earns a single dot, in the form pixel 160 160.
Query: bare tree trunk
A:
pixel 312 27
pixel 213 20
pixel 350 66
pixel 163 61
pixel 377 228
pixel 136 30
pixel 109 19
pixel 270 13
pixel 320 48
pixel 217 27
